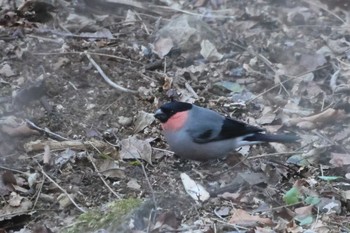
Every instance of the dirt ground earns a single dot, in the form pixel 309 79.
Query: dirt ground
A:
pixel 73 143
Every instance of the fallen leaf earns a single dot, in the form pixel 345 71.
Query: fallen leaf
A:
pixel 6 71
pixel 109 168
pixel 195 190
pixel 209 52
pixel 339 160
pixel 162 46
pixel 143 119
pixel 133 148
pixel 166 221
pixel 15 199
pixel 133 184
pixel 242 218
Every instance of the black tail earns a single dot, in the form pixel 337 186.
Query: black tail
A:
pixel 284 138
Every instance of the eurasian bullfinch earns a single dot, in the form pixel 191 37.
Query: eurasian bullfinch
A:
pixel 198 133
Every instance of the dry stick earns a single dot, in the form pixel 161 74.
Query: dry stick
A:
pixel 58 186
pixel 147 179
pixel 269 64
pixel 273 154
pixel 13 170
pixel 132 3
pixel 325 9
pixel 16 214
pixel 99 54
pixel 265 60
pixel 149 185
pixel 192 13
pixel 50 134
pixel 144 25
pixel 101 177
pixel 235 226
pixel 104 76
pixel 39 191
pixel 287 80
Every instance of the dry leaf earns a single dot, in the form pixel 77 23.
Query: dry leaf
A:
pixel 195 190
pixel 339 160
pixel 109 168
pixel 143 119
pixel 133 184
pixel 209 52
pixel 162 46
pixel 242 218
pixel 133 148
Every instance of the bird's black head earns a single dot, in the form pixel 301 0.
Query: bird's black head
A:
pixel 169 109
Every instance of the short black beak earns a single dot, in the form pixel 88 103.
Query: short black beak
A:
pixel 161 116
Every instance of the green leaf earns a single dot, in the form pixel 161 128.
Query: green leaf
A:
pixel 292 196
pixel 307 220
pixel 231 86
pixel 312 200
pixel 329 178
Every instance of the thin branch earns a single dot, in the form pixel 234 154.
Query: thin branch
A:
pixel 58 186
pixel 101 177
pixel 105 77
pixel 47 132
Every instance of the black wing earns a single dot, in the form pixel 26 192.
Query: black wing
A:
pixel 230 129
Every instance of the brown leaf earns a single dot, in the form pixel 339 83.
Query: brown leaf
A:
pixel 243 218
pixel 133 148
pixel 168 221
pixel 339 160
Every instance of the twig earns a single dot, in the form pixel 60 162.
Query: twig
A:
pixel 47 132
pixel 287 80
pixel 105 77
pixel 192 13
pixel 13 170
pixel 38 193
pixel 79 53
pixel 164 150
pixel 218 215
pixel 58 186
pixel 261 57
pixel 148 181
pixel 235 226
pixel 149 185
pixel 190 89
pixel 325 9
pixel 101 177
pixel 273 154
pixel 3 216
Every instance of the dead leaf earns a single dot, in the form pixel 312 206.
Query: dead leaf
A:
pixel 110 169
pixel 133 184
pixel 6 71
pixel 268 116
pixel 209 52
pixel 312 61
pixel 303 211
pixel 15 199
pixel 162 46
pixel 328 115
pixel 166 221
pixel 41 229
pixel 195 190
pixel 243 218
pixel 143 119
pixel 133 148
pixel 339 160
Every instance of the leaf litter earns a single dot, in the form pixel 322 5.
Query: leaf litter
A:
pixel 281 65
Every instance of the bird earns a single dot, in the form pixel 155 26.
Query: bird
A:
pixel 198 133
